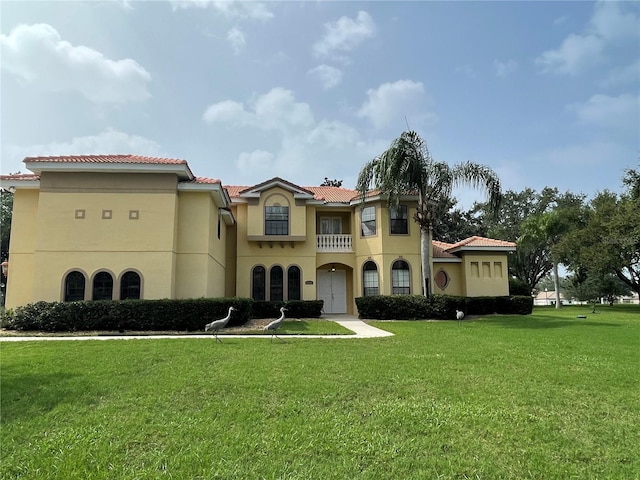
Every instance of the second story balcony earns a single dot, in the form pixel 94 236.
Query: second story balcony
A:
pixel 334 243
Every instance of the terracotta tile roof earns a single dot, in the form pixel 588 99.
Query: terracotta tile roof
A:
pixel 325 194
pixel 439 250
pixel 476 241
pixel 274 180
pixel 206 180
pixel 106 159
pixel 234 190
pixel 20 176
pixel 333 194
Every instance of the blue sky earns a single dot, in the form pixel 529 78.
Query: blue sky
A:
pixel 546 93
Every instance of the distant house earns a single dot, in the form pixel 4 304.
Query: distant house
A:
pixel 125 226
pixel 548 297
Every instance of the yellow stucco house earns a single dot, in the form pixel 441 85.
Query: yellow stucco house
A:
pixel 127 226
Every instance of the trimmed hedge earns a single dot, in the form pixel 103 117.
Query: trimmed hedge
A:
pixel 150 315
pixel 295 309
pixel 132 315
pixel 439 307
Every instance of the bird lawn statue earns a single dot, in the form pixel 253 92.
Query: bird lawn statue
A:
pixel 273 326
pixel 217 325
pixel 459 315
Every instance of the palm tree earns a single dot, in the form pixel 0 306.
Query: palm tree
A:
pixel 406 167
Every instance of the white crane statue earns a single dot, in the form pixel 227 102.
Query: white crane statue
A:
pixel 217 325
pixel 273 326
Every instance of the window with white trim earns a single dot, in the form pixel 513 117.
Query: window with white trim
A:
pixel 276 220
pixel 370 279
pixel 400 279
pixel 368 221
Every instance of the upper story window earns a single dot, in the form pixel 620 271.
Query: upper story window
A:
pixel 276 220
pixel 368 221
pixel 330 225
pixel 399 219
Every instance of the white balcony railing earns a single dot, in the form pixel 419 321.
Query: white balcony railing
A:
pixel 334 243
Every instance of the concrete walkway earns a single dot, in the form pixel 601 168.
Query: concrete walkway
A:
pixel 358 327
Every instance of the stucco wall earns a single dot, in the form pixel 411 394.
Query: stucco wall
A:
pixel 22 248
pixel 486 274
pixel 200 254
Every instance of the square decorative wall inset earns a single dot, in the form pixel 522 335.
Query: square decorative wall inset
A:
pixel 106 214
pixel 134 214
pixel 80 214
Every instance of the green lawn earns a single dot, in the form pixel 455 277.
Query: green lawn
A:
pixel 542 396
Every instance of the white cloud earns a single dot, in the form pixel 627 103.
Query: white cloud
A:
pixel 229 8
pixel 621 112
pixel 611 23
pixel 275 110
pixel 576 54
pixel 236 39
pixel 257 161
pixel 504 68
pixel 391 102
pixel 110 141
pixel 608 25
pixel 226 111
pixel 302 147
pixel 327 75
pixel 344 35
pixel 39 57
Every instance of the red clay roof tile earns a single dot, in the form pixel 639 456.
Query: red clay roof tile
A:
pixel 126 158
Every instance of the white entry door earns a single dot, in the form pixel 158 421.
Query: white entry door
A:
pixel 332 288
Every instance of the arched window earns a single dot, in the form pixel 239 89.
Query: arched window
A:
pixel 276 284
pixel 103 286
pixel 258 282
pixel 293 283
pixel 74 286
pixel 130 286
pixel 370 279
pixel 400 284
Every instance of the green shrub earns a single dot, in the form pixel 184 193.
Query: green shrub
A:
pixel 132 315
pixel 295 309
pixel 438 307
pixel 518 287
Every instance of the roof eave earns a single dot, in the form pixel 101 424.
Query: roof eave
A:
pixel 23 184
pixel 180 169
pixel 481 249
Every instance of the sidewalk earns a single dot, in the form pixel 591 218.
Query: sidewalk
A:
pixel 358 327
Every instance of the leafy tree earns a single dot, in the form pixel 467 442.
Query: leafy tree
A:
pixel 407 167
pixel 592 286
pixel 608 241
pixel 452 225
pixel 536 221
pixel 631 180
pixel 6 209
pixel 331 183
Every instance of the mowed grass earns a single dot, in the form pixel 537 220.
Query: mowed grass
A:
pixel 288 327
pixel 546 396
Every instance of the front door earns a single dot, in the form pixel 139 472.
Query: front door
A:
pixel 332 288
